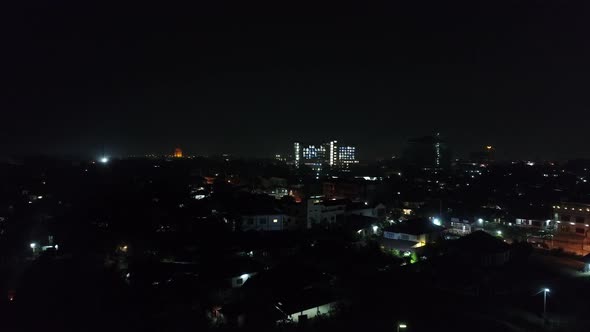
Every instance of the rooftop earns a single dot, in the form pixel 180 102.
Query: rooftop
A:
pixel 414 227
pixel 481 242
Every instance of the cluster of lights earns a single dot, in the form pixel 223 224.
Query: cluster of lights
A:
pixel 346 153
pixel 437 148
pixel 333 154
pixel 297 149
pixel 573 209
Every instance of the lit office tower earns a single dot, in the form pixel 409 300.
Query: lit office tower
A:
pixel 333 152
pixel 346 157
pixel 177 153
pixel 314 157
pixel 326 154
pixel 297 153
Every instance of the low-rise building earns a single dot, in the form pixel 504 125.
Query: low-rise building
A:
pixel 482 249
pixel 411 234
pixel 572 218
pixel 274 220
pixel 306 305
pixel 461 226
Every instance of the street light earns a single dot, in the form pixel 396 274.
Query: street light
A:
pixel 545 291
pixel 33 245
pixel 104 160
pixel 401 326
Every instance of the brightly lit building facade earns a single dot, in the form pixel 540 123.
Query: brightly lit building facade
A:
pixel 347 157
pixel 329 154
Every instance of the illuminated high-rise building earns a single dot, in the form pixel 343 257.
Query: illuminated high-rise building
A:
pixel 333 152
pixel 177 153
pixel 346 157
pixel 297 154
pixel 326 154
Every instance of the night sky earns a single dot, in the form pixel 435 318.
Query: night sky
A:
pixel 224 77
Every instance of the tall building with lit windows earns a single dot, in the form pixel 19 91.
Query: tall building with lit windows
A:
pixel 347 157
pixel 328 154
pixel 297 154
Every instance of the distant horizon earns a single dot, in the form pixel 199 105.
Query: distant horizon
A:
pixel 97 156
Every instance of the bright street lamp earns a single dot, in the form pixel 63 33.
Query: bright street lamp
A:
pixel 545 291
pixel 104 160
pixel 33 245
pixel 401 326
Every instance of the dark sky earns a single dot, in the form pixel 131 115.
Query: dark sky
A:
pixel 216 76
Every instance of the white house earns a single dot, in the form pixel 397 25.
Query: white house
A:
pixel 327 212
pixel 305 305
pixel 462 226
pixel 311 312
pixel 421 231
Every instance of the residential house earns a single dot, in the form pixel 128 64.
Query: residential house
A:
pixel 411 234
pixel 305 305
pixel 324 212
pixel 265 220
pixel 462 226
pixel 481 249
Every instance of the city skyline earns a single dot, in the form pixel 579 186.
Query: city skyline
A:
pixel 218 78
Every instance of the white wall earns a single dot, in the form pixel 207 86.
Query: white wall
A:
pixel 235 281
pixel 400 236
pixel 313 312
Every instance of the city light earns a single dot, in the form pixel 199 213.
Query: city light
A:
pixel 436 221
pixel 33 245
pixel 104 160
pixel 545 291
pixel 499 233
pixel 480 221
